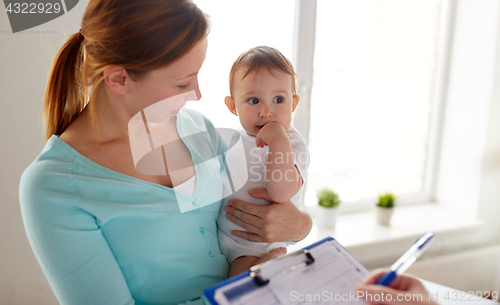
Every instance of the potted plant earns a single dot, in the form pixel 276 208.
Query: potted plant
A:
pixel 384 208
pixel 328 202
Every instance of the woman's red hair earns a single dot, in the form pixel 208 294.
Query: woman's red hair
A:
pixel 140 36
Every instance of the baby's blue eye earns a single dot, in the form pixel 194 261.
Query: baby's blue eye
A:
pixel 253 100
pixel 278 100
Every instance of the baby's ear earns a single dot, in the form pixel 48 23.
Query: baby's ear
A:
pixel 230 105
pixel 296 100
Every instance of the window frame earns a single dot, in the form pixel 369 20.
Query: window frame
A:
pixel 303 58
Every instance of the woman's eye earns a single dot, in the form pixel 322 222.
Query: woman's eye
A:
pixel 278 100
pixel 183 86
pixel 253 100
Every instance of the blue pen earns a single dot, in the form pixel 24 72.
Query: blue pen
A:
pixel 405 261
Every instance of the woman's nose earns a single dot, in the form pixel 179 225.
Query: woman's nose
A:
pixel 197 89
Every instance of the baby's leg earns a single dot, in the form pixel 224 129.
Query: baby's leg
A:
pixel 242 264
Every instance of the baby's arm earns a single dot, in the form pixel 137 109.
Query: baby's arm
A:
pixel 283 180
pixel 242 264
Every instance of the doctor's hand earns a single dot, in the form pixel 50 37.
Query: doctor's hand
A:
pixel 278 222
pixel 404 289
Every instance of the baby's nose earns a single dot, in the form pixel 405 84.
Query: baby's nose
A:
pixel 265 112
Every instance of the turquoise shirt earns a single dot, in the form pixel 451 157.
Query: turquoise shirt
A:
pixel 102 237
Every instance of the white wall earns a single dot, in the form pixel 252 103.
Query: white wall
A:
pixel 25 59
pixel 468 102
pixel 469 169
pixel 489 196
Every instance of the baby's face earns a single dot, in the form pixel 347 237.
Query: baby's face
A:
pixel 262 97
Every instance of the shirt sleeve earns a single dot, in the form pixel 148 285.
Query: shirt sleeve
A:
pixel 68 243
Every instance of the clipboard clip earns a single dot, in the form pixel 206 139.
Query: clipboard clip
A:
pixel 261 281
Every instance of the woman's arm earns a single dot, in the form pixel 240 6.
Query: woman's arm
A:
pixel 278 222
pixel 68 242
pixel 71 250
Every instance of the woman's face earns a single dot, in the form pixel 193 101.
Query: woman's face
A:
pixel 179 77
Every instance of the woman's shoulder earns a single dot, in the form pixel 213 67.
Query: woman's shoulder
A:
pixel 193 122
pixel 189 116
pixel 52 153
pixel 49 169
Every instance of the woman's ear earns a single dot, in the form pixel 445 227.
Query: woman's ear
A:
pixel 296 100
pixel 116 78
pixel 230 105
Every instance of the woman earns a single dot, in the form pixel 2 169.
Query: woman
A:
pixel 103 232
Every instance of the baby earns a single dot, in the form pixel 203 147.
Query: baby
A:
pixel 263 92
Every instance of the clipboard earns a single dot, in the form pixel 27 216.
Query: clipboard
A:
pixel 324 272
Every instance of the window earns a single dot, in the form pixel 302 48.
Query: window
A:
pixel 371 100
pixel 237 26
pixel 373 81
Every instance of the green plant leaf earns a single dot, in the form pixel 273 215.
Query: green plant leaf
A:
pixel 328 198
pixel 387 200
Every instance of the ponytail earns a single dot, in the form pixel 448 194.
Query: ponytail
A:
pixel 65 96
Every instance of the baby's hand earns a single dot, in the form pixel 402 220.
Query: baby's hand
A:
pixel 269 133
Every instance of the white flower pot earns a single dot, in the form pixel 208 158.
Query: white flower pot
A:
pixel 383 215
pixel 327 217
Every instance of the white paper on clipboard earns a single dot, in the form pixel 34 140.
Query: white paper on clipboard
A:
pixel 332 277
pixel 334 274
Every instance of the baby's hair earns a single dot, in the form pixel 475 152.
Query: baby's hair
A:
pixel 263 57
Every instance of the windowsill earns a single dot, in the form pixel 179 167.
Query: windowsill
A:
pixel 375 245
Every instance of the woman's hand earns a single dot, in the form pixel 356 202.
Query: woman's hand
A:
pixel 278 222
pixel 405 288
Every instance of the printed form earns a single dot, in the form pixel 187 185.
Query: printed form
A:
pixel 332 278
